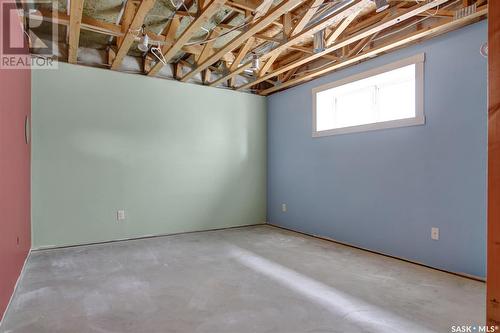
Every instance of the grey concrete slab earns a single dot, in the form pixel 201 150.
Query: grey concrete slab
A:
pixel 252 279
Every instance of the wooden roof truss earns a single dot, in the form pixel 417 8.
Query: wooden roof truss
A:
pixel 280 34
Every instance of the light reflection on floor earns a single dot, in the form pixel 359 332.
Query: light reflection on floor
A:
pixel 349 308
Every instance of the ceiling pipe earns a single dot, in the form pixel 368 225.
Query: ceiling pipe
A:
pixel 335 9
pixel 119 18
pixel 268 46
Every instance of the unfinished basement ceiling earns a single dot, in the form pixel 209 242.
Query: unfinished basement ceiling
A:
pixel 214 43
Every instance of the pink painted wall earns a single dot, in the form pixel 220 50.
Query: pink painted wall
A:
pixel 15 234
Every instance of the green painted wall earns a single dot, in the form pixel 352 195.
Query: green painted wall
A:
pixel 176 157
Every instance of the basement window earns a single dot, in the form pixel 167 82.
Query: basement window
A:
pixel 386 97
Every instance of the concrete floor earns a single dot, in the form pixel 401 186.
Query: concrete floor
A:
pixel 252 279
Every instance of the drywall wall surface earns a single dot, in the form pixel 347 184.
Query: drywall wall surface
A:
pixel 175 157
pixel 15 235
pixel 384 190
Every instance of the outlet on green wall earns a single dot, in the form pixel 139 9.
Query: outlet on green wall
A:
pixel 174 157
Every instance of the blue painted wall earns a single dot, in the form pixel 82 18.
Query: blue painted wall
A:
pixel 384 190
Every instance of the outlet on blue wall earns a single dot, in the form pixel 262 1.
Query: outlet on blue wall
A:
pixel 384 190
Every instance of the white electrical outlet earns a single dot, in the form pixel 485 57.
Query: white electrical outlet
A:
pixel 120 215
pixel 435 233
pixel 283 207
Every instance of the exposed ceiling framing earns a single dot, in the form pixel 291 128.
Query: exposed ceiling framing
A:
pixel 217 42
pixel 75 22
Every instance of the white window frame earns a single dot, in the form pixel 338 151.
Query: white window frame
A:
pixel 419 119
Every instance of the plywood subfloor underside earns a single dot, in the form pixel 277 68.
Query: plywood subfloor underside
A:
pixel 252 279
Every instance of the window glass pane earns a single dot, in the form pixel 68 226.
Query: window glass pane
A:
pixel 397 101
pixel 354 108
pixel 324 110
pixel 379 98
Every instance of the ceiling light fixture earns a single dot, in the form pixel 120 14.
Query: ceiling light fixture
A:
pixel 381 5
pixel 144 41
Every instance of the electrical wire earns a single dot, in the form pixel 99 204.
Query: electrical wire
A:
pixel 191 17
pixel 238 27
pixel 435 13
pixel 204 41
pixel 315 68
pixel 414 23
pixel 324 4
pixel 208 40
pixel 241 26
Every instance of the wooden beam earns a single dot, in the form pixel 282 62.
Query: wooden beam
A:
pixel 300 37
pixel 258 36
pixel 340 29
pixel 178 70
pixel 361 45
pixel 201 6
pixel 131 33
pixel 75 21
pixel 247 10
pixel 290 58
pixel 250 5
pixel 241 54
pixel 87 23
pixel 493 270
pixel 207 73
pixel 171 30
pixel 197 49
pixel 364 22
pixel 310 50
pixel 209 10
pixel 425 32
pixel 255 27
pixel 208 48
pixel 110 55
pixel 313 8
pixel 268 64
pixel 289 74
pixel 287 24
pixel 262 9
pixel 126 21
pixel 439 13
pixel 351 39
